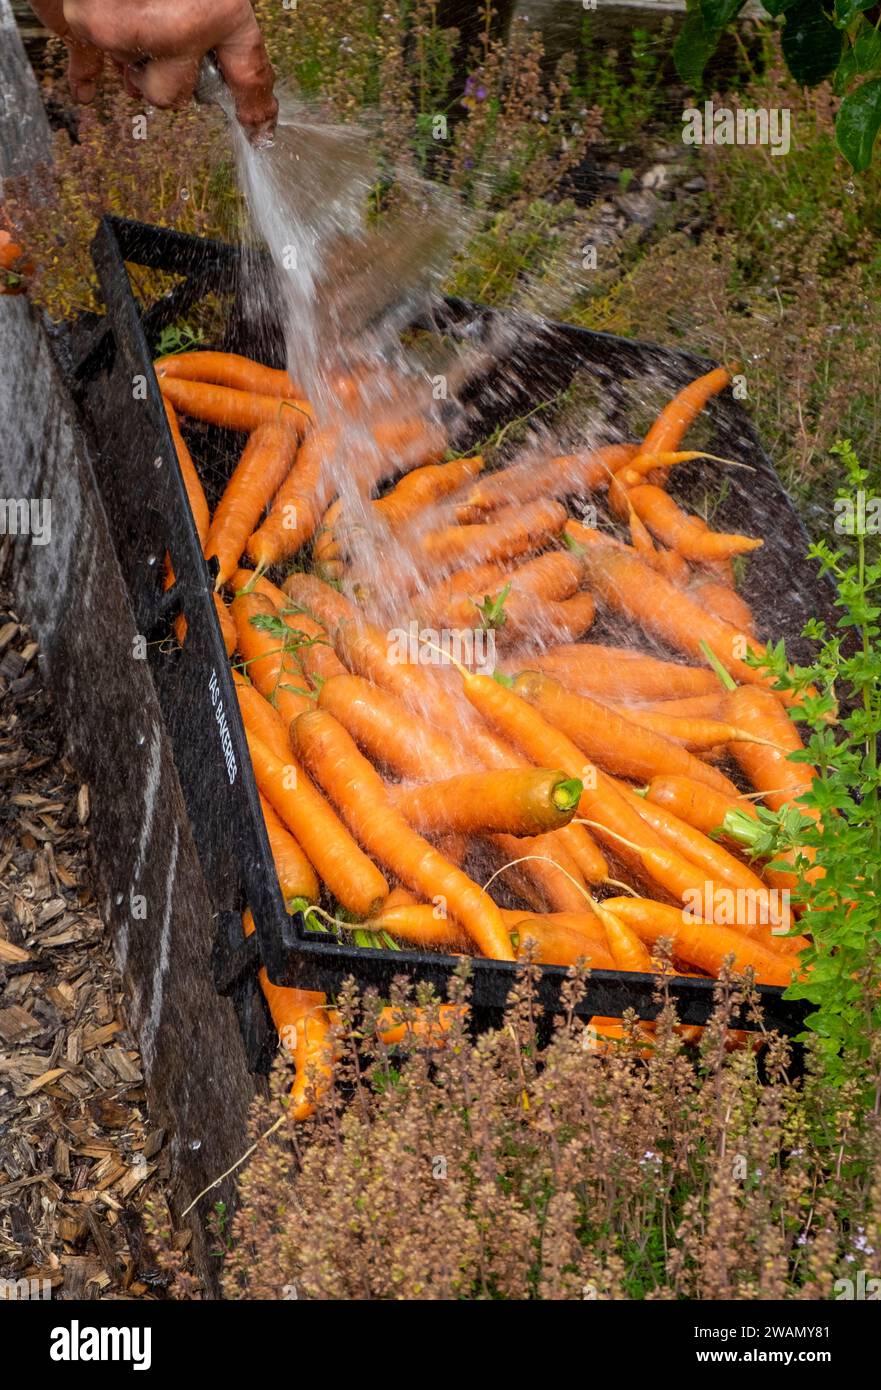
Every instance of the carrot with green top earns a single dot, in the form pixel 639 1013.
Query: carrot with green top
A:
pixel 628 586
pixel 332 756
pixel 309 641
pixel 350 875
pixel 268 661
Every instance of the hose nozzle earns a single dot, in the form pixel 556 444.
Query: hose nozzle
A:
pixel 210 83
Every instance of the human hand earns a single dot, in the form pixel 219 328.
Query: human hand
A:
pixel 159 45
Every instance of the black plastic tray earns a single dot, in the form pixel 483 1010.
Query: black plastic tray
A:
pixel 144 495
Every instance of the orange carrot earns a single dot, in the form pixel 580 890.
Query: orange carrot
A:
pixel 618 744
pixel 584 922
pixel 568 475
pixel 192 482
pixel 625 947
pixel 424 486
pixel 349 874
pixel 554 944
pixel 725 603
pixel 266 461
pixel 720 867
pixel 519 801
pixel 420 923
pixel 702 944
pixel 298 504
pixel 692 731
pixel 621 673
pixel 687 535
pixel 332 756
pixel 269 662
pixel 689 707
pixel 667 431
pixel 627 585
pixel 293 1011
pixel 314 1059
pixel 512 531
pixel 309 642
pixel 227 626
pixel 262 718
pixel 771 772
pixel 296 876
pixel 225 369
pixel 392 1027
pixel 233 410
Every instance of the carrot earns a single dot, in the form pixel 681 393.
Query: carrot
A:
pixel 424 486
pixel 706 809
pixel 568 475
pixel 298 504
pixel 300 1020
pixel 548 865
pixel 687 535
pixel 513 531
pixel 601 803
pixel 771 772
pixel 296 876
pixel 266 461
pixel 393 1028
pixel 625 947
pixel 352 878
pixel 586 923
pixel 554 944
pixel 192 482
pixel 331 755
pixel 269 663
pixel 630 587
pixel 519 801
pixel 620 672
pixel 693 731
pixel 261 718
pixel 225 369
pixel 419 923
pixel 227 626
pixel 233 410
pixel 702 944
pixel 314 1059
pixel 309 642
pixel 720 867
pixel 551 577
pixel 689 707
pixel 725 603
pixel 618 744
pixel 673 421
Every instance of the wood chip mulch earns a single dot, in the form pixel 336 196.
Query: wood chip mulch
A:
pixel 79 1158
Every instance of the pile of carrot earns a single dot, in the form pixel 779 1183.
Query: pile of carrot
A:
pixel 561 804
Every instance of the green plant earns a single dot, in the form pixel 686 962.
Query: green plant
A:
pixel 842 838
pixel 818 40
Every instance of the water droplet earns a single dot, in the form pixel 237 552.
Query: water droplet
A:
pixel 118 899
pixel 141 740
pixel 850 186
pixel 151 560
pixel 184 194
pixel 195 1145
pixel 157 462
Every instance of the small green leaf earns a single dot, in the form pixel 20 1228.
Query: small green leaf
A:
pixel 846 11
pixel 858 123
pixel 693 47
pixel 811 44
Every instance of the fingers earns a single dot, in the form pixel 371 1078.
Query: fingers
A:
pixel 248 73
pixel 165 81
pixel 84 67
